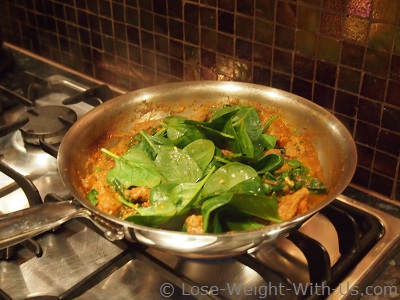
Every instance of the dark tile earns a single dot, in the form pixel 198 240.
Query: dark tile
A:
pixel 262 55
pixel 377 62
pixel 132 34
pixel 261 75
pixel 244 27
pixel 308 18
pixel 346 104
pixel 369 111
pixel 160 7
pixel 323 96
pixel 352 55
pixel 265 9
pixel 381 184
pixel 365 156
pixel 209 39
pixel 373 87
pixel 120 31
pixel 162 63
pixel 145 4
pixel 176 49
pixel 395 67
pixel 349 79
pixel 175 8
pixel 135 54
pixel 306 43
pixel 160 25
pixel 192 34
pixel 225 44
pixel 106 27
pixel 192 54
pixel 243 49
pixel 228 5
pixel 302 88
pixel 176 67
pixel 326 73
pixel 226 22
pixel 304 67
pixel 175 29
pixel 191 13
pixel 105 9
pixel 366 134
pixel 264 32
pixel 149 59
pixel 121 50
pixel 390 118
pixel 381 36
pixel 283 61
pixel 161 44
pixel 245 7
pixel 285 37
pixel 286 13
pixel 393 93
pixel 118 12
pixel 389 142
pixel 362 177
pixel 328 49
pixel 281 81
pixel 208 17
pixel 146 20
pixel 147 40
pixel 132 16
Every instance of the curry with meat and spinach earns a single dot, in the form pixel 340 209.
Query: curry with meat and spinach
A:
pixel 237 168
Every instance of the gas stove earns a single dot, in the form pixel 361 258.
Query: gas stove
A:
pixel 337 254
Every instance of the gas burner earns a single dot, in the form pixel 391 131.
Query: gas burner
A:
pixel 49 123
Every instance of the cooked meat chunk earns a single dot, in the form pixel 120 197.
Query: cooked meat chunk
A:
pixel 295 148
pixel 289 204
pixel 194 224
pixel 138 194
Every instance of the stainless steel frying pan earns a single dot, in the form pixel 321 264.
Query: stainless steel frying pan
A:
pixel 334 144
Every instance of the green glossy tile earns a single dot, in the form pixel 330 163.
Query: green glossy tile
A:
pixel 308 18
pixel 381 36
pixel 306 43
pixel 328 49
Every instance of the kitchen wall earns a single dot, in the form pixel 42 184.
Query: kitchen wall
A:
pixel 343 55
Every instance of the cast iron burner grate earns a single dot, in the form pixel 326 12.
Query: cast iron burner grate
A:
pixel 49 123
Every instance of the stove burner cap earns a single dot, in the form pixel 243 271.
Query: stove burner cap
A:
pixel 49 122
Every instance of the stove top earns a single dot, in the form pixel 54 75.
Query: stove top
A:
pixel 337 253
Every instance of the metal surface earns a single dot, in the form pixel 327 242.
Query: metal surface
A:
pixel 334 145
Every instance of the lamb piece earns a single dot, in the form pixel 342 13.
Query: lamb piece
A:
pixel 295 148
pixel 292 204
pixel 194 224
pixel 138 194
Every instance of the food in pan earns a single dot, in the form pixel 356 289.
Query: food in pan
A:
pixel 232 168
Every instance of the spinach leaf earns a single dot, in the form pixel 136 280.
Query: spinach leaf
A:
pixel 92 196
pixel 202 151
pixel 180 133
pixel 226 177
pixel 269 163
pixel 177 166
pixel 210 205
pixel 151 144
pixel 134 168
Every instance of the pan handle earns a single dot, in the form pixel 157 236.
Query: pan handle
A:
pixel 18 226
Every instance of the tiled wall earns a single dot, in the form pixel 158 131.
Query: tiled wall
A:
pixel 343 55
